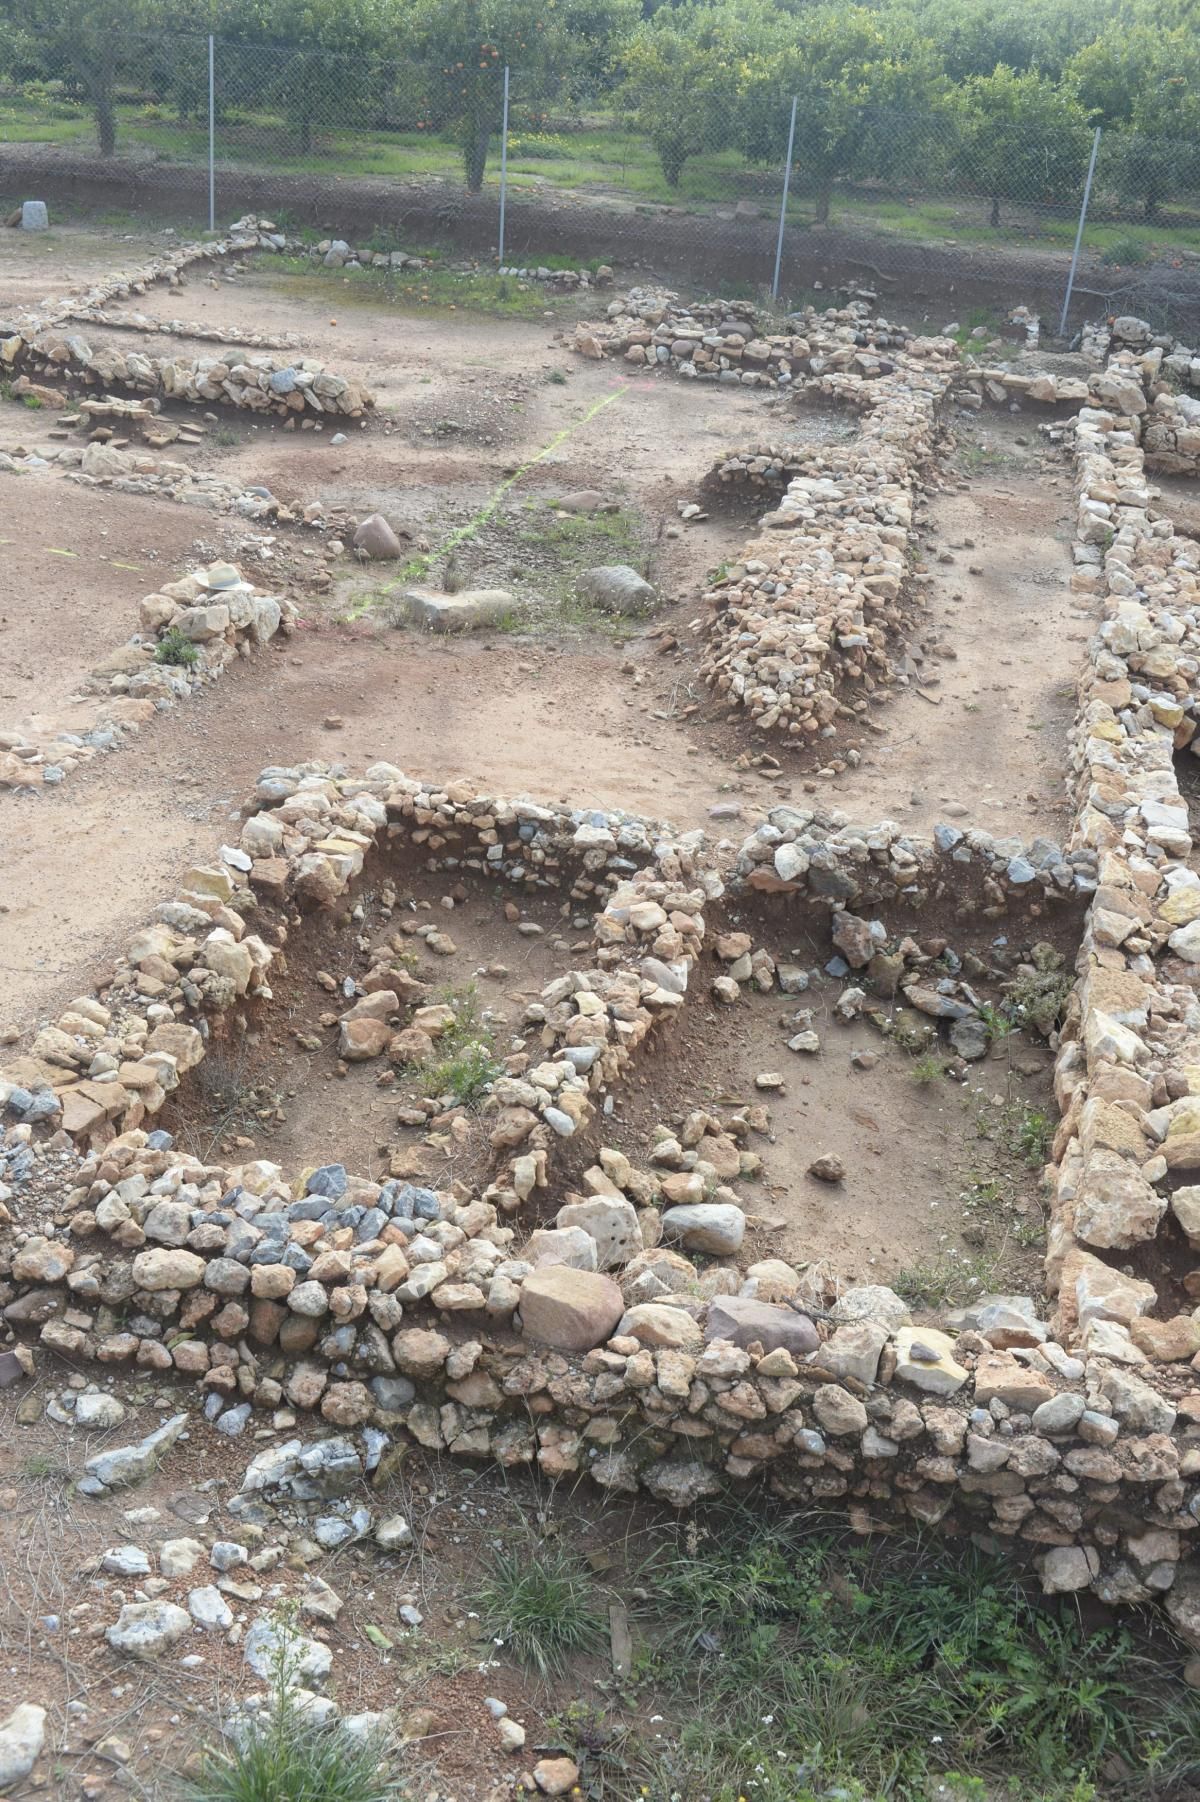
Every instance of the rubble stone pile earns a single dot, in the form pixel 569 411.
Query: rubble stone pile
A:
pixel 806 621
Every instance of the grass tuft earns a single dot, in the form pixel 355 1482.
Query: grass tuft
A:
pixel 542 1603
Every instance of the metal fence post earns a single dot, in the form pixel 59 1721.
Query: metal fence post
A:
pixel 503 165
pixel 787 178
pixel 212 141
pixel 1087 194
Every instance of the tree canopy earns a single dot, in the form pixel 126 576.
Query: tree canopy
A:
pixel 994 97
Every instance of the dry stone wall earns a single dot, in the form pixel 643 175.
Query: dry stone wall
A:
pixel 806 620
pixel 42 344
pixel 611 1351
pixel 594 1345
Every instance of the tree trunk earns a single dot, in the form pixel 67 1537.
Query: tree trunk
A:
pixel 306 134
pixel 1150 205
pixel 672 156
pixel 995 214
pixel 479 140
pixel 103 86
pixel 824 196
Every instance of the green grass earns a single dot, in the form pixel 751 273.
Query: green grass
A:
pixel 603 155
pixel 174 648
pixel 417 290
pixel 927 1069
pixel 935 1282
pixel 792 1659
pixel 542 1603
pixel 289 1759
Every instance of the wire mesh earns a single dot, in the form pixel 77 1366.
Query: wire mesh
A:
pixel 946 205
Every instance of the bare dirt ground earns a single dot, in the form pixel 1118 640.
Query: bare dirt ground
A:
pixel 133 1728
pixel 942 1160
pixel 282 1091
pixel 982 727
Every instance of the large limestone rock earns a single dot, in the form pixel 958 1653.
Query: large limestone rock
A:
pixel 1116 1207
pixel 662 1324
pixel 616 588
pixel 710 1226
pixel 925 1358
pixel 466 611
pixel 611 1223
pixel 168 1269
pixel 374 537
pixel 126 1465
pixel 569 1310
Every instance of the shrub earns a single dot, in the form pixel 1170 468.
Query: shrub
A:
pixel 173 647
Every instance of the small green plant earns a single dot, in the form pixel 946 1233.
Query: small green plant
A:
pixel 33 402
pixel 541 1602
pixel 39 1464
pixel 558 377
pixel 174 648
pixel 946 1278
pixel 226 437
pixel 284 1756
pixel 927 1069
pixel 996 1024
pixel 1034 1135
pixel 1037 995
pixel 465 1074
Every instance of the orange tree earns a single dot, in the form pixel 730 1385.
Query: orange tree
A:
pixel 556 50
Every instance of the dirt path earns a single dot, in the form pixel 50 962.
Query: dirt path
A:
pixel 982 730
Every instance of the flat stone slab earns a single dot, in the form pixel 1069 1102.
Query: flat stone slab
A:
pixel 465 612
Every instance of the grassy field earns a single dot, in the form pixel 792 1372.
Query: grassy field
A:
pixel 603 158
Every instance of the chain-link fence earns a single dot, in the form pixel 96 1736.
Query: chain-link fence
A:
pixel 945 206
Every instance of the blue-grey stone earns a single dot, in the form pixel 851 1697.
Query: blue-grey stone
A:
pixel 392 1393
pixel 371 1225
pixel 296 1258
pixel 946 837
pixel 410 1200
pixel 329 1180
pixel 159 1140
pixel 311 1208
pixel 267 1251
pixel 837 966
pixel 233 1422
pixel 1020 870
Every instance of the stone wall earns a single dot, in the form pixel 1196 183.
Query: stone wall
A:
pixel 42 344
pixel 1127 1068
pixel 403 1307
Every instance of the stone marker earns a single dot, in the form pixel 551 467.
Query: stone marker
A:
pixel 463 612
pixel 34 216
